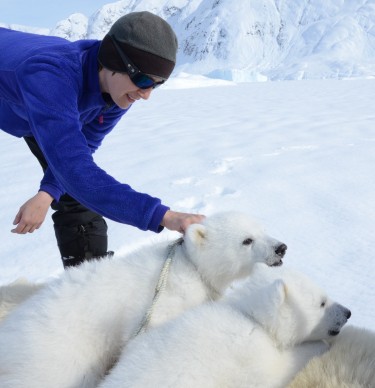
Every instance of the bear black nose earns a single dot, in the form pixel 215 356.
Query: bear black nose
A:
pixel 280 250
pixel 348 314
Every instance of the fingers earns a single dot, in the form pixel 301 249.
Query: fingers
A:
pixel 17 219
pixel 23 228
pixel 35 227
pixel 25 222
pixel 190 219
pixel 32 213
pixel 180 221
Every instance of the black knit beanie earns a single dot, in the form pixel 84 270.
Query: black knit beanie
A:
pixel 146 39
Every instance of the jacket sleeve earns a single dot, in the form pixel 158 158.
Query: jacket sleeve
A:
pixel 50 185
pixel 50 89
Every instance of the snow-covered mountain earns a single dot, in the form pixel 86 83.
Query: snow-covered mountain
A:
pixel 247 40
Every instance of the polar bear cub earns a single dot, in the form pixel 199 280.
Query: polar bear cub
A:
pixel 349 363
pixel 255 337
pixel 70 333
pixel 11 295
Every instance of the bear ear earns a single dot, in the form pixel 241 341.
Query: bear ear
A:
pixel 278 292
pixel 196 233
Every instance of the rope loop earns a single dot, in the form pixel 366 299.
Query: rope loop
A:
pixel 160 287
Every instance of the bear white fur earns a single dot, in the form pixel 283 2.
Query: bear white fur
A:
pixel 11 295
pixel 350 363
pixel 72 331
pixel 255 337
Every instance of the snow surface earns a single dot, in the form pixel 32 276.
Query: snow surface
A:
pixel 297 155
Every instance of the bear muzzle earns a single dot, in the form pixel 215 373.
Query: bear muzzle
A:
pixel 280 251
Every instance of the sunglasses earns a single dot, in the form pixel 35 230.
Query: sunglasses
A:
pixel 139 79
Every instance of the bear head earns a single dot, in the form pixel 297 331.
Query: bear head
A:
pixel 227 245
pixel 290 307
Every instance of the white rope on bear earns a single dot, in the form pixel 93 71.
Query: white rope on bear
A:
pixel 162 282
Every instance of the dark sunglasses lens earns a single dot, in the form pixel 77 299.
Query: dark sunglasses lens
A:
pixel 143 81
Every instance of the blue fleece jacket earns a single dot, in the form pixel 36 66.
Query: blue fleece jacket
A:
pixel 49 89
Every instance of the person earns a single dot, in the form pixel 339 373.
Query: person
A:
pixel 63 98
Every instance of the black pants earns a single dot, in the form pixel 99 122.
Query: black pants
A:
pixel 81 234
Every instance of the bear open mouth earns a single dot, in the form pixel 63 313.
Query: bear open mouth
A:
pixel 333 332
pixel 277 263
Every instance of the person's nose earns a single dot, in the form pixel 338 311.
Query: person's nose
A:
pixel 145 93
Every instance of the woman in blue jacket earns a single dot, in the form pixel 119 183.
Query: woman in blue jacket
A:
pixel 63 98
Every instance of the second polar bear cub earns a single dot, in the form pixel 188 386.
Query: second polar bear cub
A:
pixel 257 336
pixel 71 332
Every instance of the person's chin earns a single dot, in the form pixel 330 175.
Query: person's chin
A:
pixel 124 103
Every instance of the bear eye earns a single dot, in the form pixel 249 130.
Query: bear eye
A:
pixel 247 241
pixel 323 304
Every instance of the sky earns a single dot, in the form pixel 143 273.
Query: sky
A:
pixel 44 13
pixel 296 155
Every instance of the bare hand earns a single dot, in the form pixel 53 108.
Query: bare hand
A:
pixel 32 213
pixel 180 221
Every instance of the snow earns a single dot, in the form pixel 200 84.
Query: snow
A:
pixel 246 41
pixel 297 155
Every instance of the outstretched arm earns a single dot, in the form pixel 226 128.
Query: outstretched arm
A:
pixel 32 213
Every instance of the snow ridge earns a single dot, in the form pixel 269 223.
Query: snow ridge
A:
pixel 254 41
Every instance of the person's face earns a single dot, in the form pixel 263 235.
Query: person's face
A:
pixel 121 88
